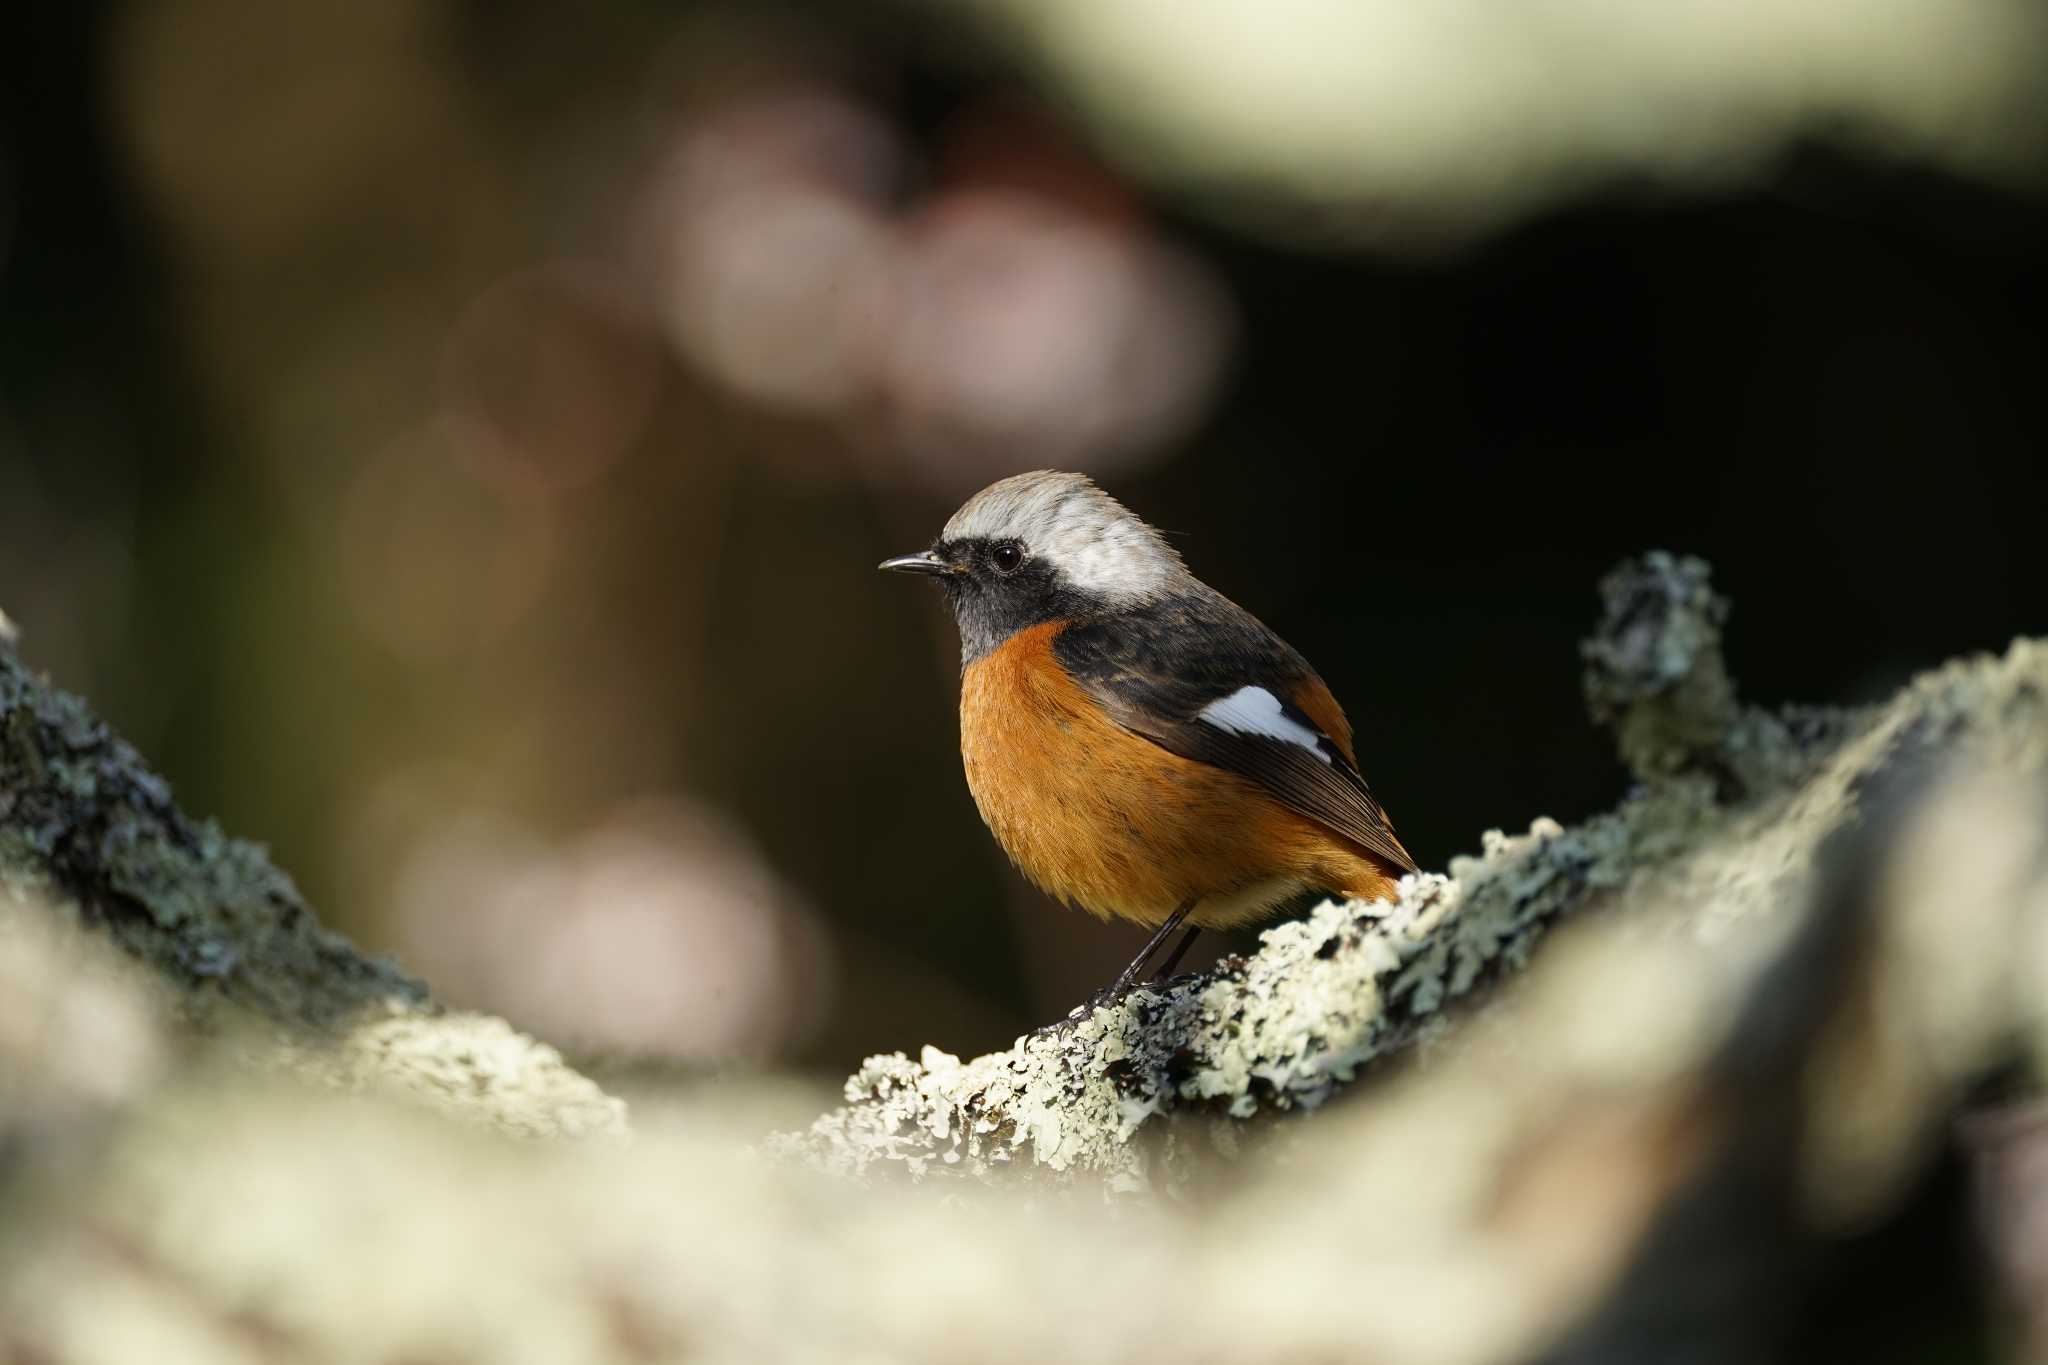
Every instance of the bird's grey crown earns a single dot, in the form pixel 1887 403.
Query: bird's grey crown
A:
pixel 1093 541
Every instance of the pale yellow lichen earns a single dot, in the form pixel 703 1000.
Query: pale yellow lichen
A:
pixel 1734 805
pixel 1756 1010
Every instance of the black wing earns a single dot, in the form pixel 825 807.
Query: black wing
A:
pixel 1158 670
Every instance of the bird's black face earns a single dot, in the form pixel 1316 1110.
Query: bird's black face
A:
pixel 996 587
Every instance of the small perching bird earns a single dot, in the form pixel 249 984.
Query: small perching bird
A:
pixel 1140 745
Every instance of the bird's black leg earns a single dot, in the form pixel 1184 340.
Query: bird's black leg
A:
pixel 1180 950
pixel 1128 977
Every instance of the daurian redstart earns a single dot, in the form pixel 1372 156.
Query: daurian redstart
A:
pixel 1140 745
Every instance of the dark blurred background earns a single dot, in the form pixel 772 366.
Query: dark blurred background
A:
pixel 454 440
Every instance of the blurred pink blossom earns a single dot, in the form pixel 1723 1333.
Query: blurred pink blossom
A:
pixel 1002 318
pixel 660 934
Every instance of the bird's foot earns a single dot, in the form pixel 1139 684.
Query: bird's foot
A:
pixel 1109 995
pixel 1127 979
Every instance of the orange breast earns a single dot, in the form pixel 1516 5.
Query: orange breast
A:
pixel 1117 825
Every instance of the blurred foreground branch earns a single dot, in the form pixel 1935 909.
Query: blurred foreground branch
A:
pixel 1399 124
pixel 1637 1089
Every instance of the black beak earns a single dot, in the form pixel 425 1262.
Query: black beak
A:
pixel 925 562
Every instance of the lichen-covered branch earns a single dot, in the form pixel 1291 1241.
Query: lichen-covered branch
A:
pixel 1717 1083
pixel 1637 1090
pixel 89 833
pixel 1734 804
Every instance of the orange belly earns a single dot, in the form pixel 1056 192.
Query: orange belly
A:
pixel 1118 826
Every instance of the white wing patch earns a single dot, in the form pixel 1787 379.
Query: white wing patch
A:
pixel 1255 711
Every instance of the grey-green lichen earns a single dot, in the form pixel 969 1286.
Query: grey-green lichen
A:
pixel 1741 1095
pixel 1733 803
pixel 84 821
pixel 89 834
pixel 1753 1016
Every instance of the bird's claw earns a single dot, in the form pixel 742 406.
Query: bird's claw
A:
pixel 1083 1012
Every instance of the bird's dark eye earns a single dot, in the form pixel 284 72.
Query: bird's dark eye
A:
pixel 1007 557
